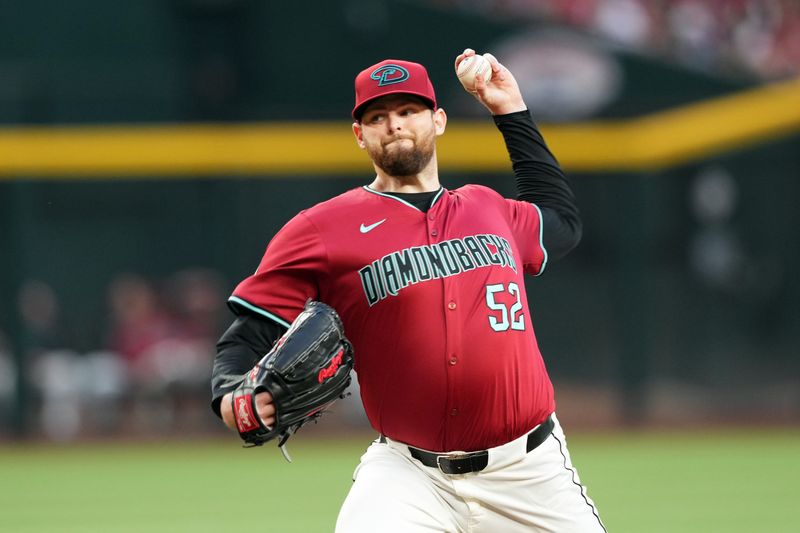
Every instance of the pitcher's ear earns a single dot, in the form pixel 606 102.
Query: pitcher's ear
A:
pixel 357 133
pixel 439 120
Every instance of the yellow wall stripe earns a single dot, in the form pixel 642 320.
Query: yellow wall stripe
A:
pixel 646 143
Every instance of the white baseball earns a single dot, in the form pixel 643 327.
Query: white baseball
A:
pixel 470 68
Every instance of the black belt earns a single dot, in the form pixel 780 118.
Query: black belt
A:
pixel 464 463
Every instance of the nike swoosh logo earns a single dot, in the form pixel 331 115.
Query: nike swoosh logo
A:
pixel 367 229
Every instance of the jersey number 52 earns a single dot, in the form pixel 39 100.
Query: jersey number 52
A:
pixel 509 317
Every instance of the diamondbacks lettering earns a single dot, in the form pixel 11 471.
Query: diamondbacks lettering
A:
pixel 395 271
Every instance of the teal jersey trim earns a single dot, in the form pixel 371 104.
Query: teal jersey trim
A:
pixel 251 307
pixel 439 194
pixel 541 239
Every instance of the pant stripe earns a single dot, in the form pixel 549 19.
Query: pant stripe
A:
pixel 581 487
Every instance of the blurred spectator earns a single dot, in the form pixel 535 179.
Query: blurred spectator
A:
pixel 167 340
pixel 154 368
pixel 51 361
pixel 79 392
pixel 72 387
pixel 766 39
pixel 139 321
pixel 755 37
pixel 41 314
pixel 196 297
pixel 625 21
pixel 181 357
pixel 695 33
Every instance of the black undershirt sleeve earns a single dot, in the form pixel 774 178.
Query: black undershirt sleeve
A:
pixel 238 350
pixel 541 181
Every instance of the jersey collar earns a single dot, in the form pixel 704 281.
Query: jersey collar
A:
pixel 395 198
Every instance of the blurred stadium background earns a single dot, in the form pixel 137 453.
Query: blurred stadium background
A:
pixel 150 149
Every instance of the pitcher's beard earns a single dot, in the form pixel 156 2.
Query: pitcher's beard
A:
pixel 403 162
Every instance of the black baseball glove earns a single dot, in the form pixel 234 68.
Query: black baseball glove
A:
pixel 306 370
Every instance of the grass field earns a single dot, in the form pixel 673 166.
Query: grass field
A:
pixel 727 481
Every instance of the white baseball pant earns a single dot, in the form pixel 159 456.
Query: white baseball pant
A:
pixel 517 492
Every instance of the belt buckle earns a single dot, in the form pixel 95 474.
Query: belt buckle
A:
pixel 449 457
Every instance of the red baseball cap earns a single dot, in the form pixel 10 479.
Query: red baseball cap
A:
pixel 392 76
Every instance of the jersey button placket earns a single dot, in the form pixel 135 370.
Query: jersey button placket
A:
pixel 452 360
pixel 452 326
pixel 431 228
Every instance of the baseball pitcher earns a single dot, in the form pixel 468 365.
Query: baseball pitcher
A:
pixel 427 286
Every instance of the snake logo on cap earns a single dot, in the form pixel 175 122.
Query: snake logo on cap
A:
pixel 389 74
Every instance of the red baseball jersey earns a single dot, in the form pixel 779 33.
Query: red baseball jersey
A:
pixel 434 304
